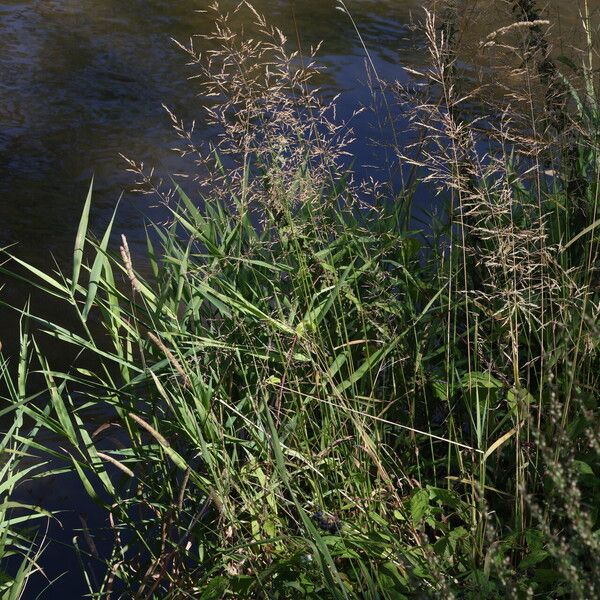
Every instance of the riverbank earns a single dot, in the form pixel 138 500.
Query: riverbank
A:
pixel 305 389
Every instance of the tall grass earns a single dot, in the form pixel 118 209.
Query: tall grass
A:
pixel 308 396
pixel 21 539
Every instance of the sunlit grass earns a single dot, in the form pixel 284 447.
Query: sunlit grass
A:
pixel 310 397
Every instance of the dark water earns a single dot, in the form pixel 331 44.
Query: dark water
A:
pixel 83 81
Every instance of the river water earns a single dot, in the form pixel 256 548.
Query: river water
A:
pixel 83 81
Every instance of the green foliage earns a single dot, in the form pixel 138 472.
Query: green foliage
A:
pixel 309 397
pixel 20 538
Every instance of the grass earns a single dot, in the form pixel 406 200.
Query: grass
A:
pixel 21 541
pixel 309 397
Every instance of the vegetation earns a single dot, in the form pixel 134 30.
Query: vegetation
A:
pixel 310 392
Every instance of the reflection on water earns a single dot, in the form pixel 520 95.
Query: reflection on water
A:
pixel 83 81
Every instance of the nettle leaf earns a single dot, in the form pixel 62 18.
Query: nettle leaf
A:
pixel 519 397
pixel 215 588
pixel 481 387
pixel 419 506
pixel 535 539
pixel 442 390
pixel 480 379
pixel 533 558
pixel 458 533
pixel 584 468
pixel 444 496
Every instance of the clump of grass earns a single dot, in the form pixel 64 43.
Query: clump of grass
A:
pixel 523 296
pixel 21 541
pixel 314 399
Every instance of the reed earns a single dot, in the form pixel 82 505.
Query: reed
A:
pixel 313 397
